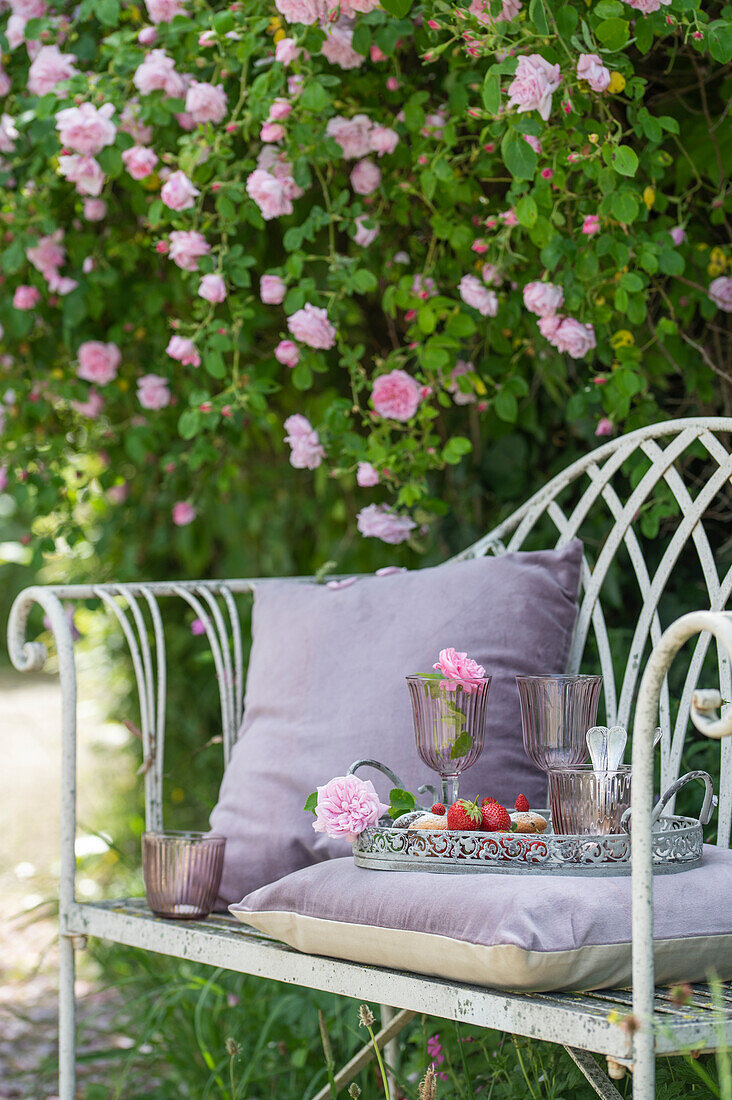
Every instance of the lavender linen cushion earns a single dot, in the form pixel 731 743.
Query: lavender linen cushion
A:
pixel 533 932
pixel 326 686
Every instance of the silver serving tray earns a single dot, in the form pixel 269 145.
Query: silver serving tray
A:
pixel 677 846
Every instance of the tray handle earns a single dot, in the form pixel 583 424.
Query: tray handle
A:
pixel 366 763
pixel 710 800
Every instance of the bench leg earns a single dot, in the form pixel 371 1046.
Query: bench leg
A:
pixel 602 1084
pixel 66 1019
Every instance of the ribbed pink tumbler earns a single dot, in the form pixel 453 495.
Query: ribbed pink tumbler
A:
pixel 182 872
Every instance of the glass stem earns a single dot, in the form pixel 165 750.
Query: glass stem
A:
pixel 449 791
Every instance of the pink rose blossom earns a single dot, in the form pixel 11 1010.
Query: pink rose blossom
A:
pixel 459 669
pixel 647 7
pixel 147 36
pixel 678 234
pixel 49 68
pixel 279 110
pixel 85 172
pixel 365 177
pixel 376 54
pixel 95 210
pixel 139 161
pixel 508 217
pixel 157 73
pixel 153 392
pixel 117 494
pixel 15 30
pixel 183 513
pixel 367 475
pixel 396 396
pixel 186 248
pixel 162 11
pixel 533 85
pixel 178 192
pixel 307 452
pixel 365 236
pixel 347 805
pixel 98 362
pixel 534 143
pixel 86 129
pixel 591 225
pixel 591 69
pixel 272 131
pixel 295 84
pixel 543 298
pixel 212 288
pixel 352 134
pixel 129 123
pixel 720 292
pixel 475 294
pixel 287 353
pixel 184 350
pixel 548 325
pixel 424 286
pixel 286 51
pixel 392 84
pixel 26 297
pixel 198 627
pixel 269 193
pixel 490 274
pixel 311 326
pixel 482 11
pixel 206 102
pixel 301 11
pixel 90 408
pixel 89 263
pixel 604 427
pixel 377 521
pixel 383 140
pixel 272 289
pixel 569 335
pixel 338 47
pixel 61 284
pixel 459 396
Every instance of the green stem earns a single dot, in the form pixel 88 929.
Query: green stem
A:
pixel 382 1068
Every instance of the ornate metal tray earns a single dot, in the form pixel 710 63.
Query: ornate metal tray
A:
pixel 677 846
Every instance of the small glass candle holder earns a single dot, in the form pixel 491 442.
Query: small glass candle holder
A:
pixel 588 802
pixel 182 873
pixel 449 725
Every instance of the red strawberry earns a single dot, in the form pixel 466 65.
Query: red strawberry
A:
pixel 464 815
pixel 487 801
pixel 496 818
pixel 439 809
pixel 522 804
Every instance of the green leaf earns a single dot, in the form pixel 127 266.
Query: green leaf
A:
pixel 311 802
pixel 606 9
pixel 719 40
pixel 188 423
pixel 365 281
pixel 461 745
pixel 506 406
pixel 214 364
pixel 518 156
pixel 107 12
pixel 401 802
pixel 397 8
pixel 624 206
pixel 631 282
pixel 315 97
pixel 624 160
pixel 537 15
pixel 455 448
pixel 302 377
pixel 671 262
pixel 668 123
pixel 526 211
pixel 613 33
pixel 492 93
pixel 361 40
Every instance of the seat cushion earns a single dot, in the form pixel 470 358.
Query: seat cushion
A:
pixel 326 687
pixel 520 932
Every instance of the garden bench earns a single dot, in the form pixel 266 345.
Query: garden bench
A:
pixel 689 464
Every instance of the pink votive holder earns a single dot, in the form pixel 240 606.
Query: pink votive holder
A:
pixel 182 873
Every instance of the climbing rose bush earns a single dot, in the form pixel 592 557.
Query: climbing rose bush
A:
pixel 359 236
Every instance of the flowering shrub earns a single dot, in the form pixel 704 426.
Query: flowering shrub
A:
pixel 378 232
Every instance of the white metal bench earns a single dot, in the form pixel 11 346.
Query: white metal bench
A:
pixel 594 491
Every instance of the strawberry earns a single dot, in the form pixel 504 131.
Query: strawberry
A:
pixel 496 818
pixel 464 815
pixel 487 801
pixel 522 804
pixel 439 809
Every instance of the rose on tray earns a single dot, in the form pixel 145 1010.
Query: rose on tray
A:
pixel 345 806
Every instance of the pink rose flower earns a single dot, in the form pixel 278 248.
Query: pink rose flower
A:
pixel 647 7
pixel 272 289
pixel 352 134
pixel 162 11
pixel 543 298
pixel 311 326
pixel 306 450
pixel 591 69
pixel 178 192
pixel 367 475
pixel 129 123
pixel 183 513
pixel 365 177
pixel 286 51
pixel 8 134
pixel 475 294
pixel 533 85
pixel 49 68
pixel 147 36
pixel 269 193
pixel 139 161
pixel 198 627
pixel 383 140
pixel 157 73
pixel 90 408
pixel 300 11
pixel 534 143
pixel 184 350
pixel 90 263
pixel 720 292
pixel 117 494
pixel 364 236
pixel 287 353
pixel 85 172
pixel 86 129
pixel 186 248
pixel 591 225
pixel 95 210
pixel 548 325
pixel 396 395
pixel 481 10
pixel 459 396
pixel 459 669
pixel 604 427
pixel 377 521
pixel 212 288
pixel 678 234
pixel 347 805
pixel 153 392
pixel 98 362
pixel 571 336
pixel 206 102
pixel 424 286
pixel 338 46
pixel 490 274
pixel 26 297
pixel 279 110
pixel 272 131
pixel 61 284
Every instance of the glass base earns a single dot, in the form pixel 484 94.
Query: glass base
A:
pixel 448 790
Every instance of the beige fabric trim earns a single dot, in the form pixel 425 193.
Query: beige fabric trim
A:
pixel 500 967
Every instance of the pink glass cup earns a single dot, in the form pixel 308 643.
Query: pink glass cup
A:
pixel 182 873
pixel 449 725
pixel 556 712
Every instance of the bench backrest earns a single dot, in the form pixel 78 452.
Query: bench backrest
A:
pixel 675 477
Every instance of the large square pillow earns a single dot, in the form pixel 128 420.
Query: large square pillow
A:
pixel 522 932
pixel 326 687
